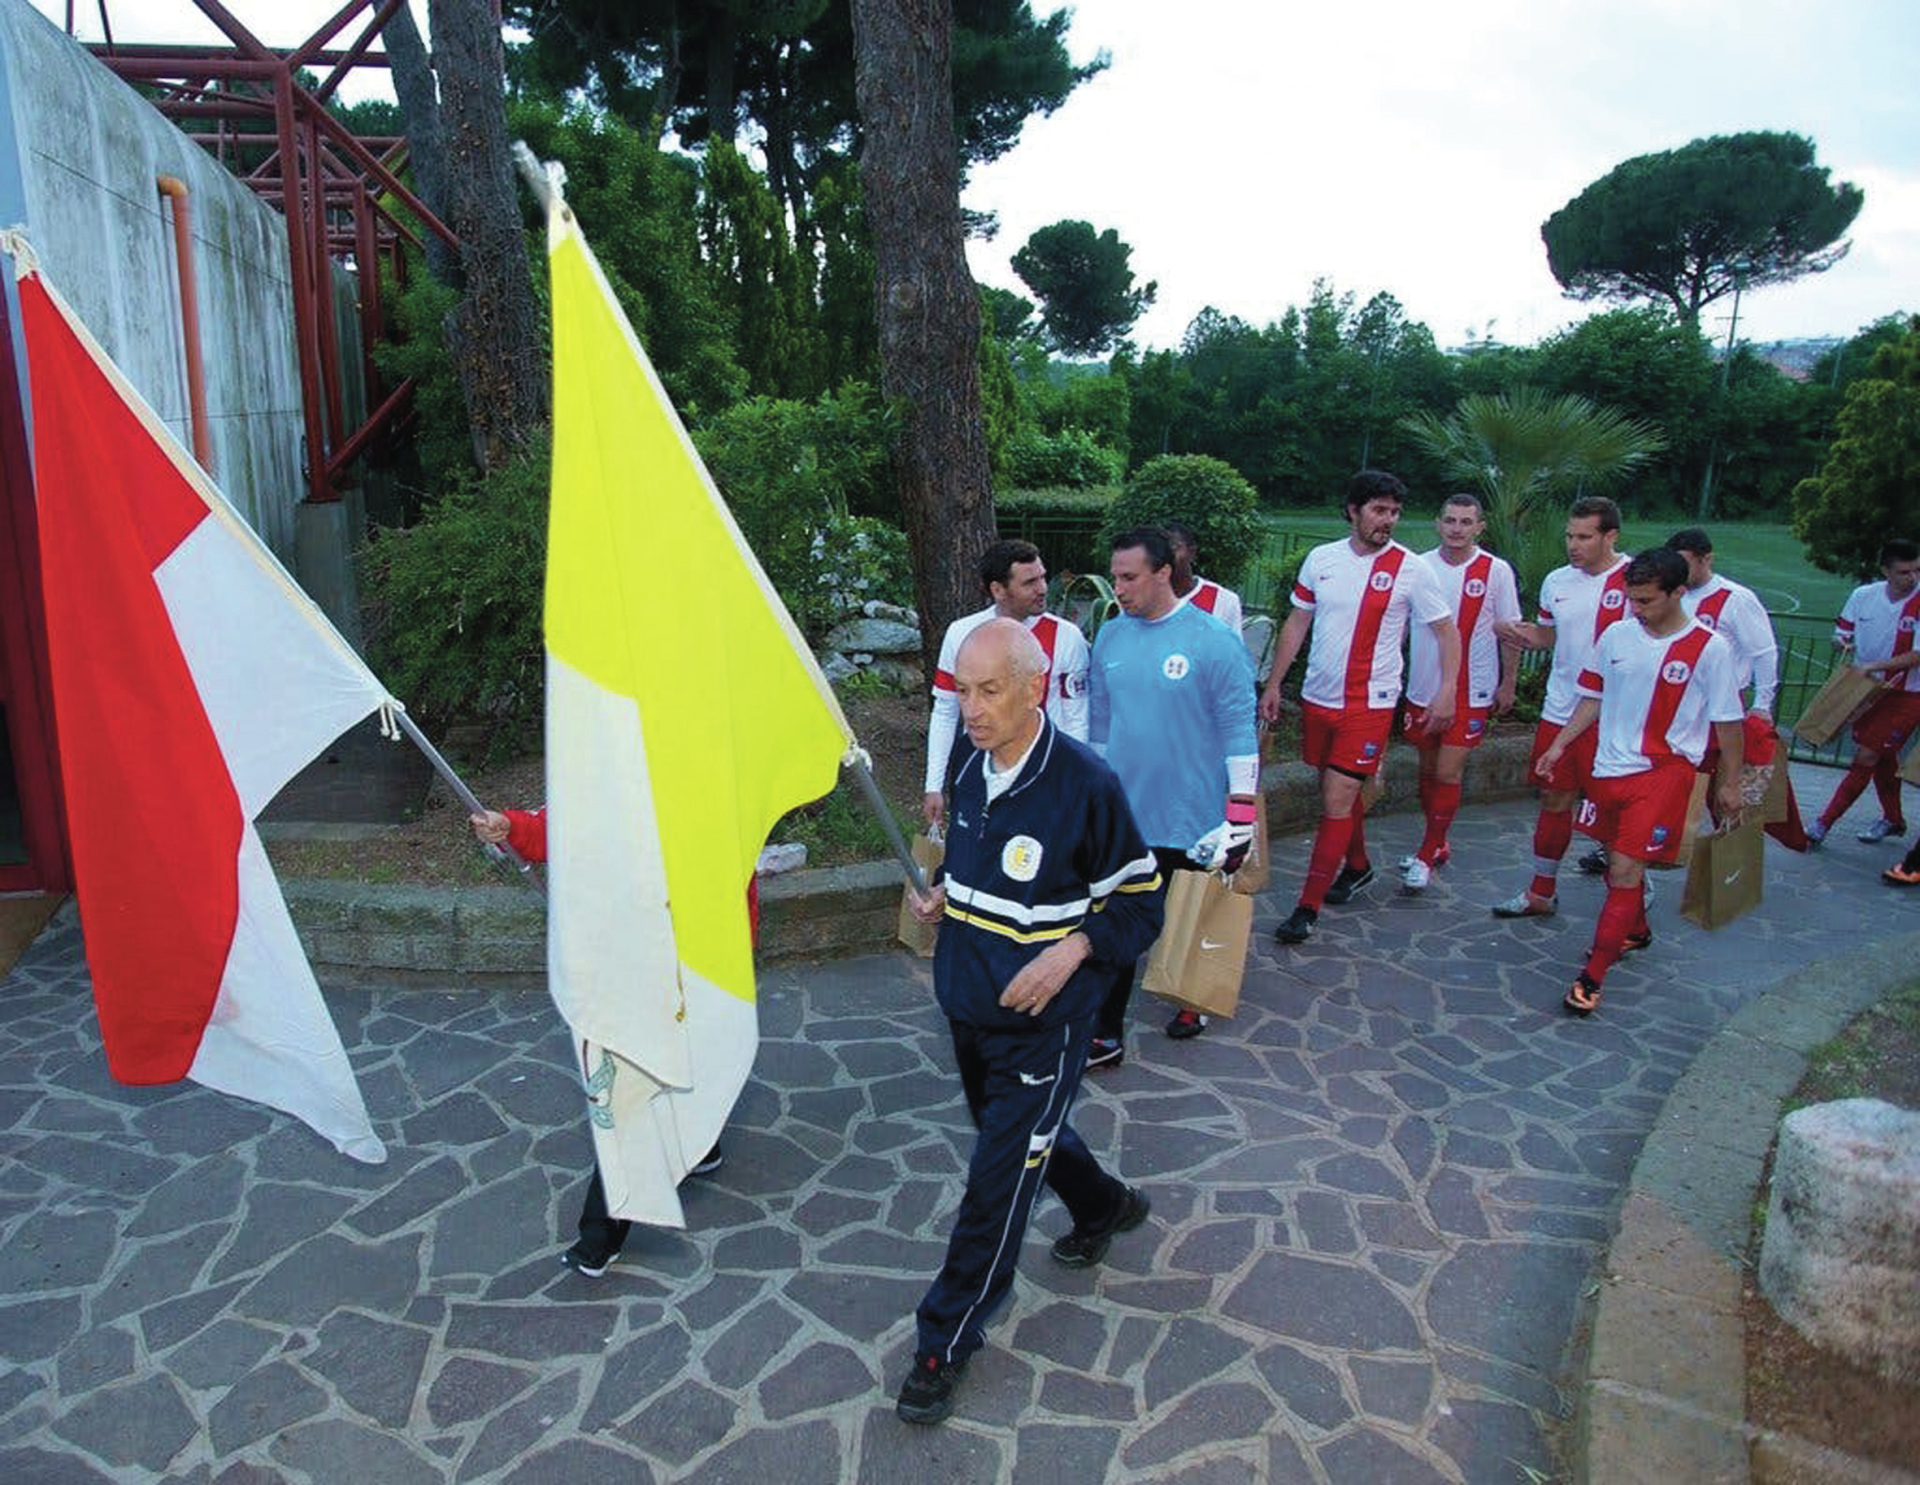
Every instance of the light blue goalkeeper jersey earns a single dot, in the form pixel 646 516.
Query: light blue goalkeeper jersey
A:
pixel 1172 702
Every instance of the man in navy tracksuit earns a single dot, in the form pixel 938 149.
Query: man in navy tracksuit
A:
pixel 1048 889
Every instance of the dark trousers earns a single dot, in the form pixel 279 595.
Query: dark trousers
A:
pixel 600 1234
pixel 1111 1023
pixel 1019 1087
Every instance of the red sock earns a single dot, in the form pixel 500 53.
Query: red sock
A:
pixel 1443 803
pixel 1329 847
pixel 1552 834
pixel 1852 785
pixel 1886 784
pixel 1624 905
pixel 1357 842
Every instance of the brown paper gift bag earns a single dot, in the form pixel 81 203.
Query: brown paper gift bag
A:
pixel 1773 808
pixel 1834 705
pixel 1201 955
pixel 1725 877
pixel 1257 870
pixel 928 853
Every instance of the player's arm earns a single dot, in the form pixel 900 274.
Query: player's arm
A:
pixel 1506 609
pixel 1509 678
pixel 1585 714
pixel 1535 636
pixel 1895 665
pixel 1727 807
pixel 943 726
pixel 1849 616
pixel 1441 709
pixel 1765 651
pixel 1293 634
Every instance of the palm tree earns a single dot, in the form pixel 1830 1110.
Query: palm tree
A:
pixel 1522 451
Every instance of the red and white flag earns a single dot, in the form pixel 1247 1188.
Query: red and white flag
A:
pixel 191 680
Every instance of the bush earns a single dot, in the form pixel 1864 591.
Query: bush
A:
pixel 1205 493
pixel 453 603
pixel 793 474
pixel 1072 458
pixel 1063 522
pixel 852 559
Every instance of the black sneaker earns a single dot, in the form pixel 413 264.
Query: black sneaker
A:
pixel 708 1163
pixel 1594 863
pixel 1350 881
pixel 927 1394
pixel 1298 928
pixel 586 1262
pixel 1105 1051
pixel 1084 1247
pixel 1186 1024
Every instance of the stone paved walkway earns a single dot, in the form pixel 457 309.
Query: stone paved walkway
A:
pixel 1378 1198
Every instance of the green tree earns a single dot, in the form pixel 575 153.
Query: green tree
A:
pixel 1086 291
pixel 1210 496
pixel 1868 485
pixel 1688 225
pixel 767 281
pixel 1008 315
pixel 1523 451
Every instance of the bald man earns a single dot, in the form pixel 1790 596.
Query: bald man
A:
pixel 1047 890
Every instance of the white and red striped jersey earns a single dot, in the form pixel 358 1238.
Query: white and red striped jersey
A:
pixel 1067 660
pixel 1223 603
pixel 1659 698
pixel 1879 627
pixel 1579 607
pixel 1737 615
pixel 1360 607
pixel 1483 593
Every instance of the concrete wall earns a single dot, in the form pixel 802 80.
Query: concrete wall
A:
pixel 85 152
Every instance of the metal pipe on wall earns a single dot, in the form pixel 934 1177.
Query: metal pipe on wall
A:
pixel 175 190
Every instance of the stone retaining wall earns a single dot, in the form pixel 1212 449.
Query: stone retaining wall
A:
pixel 818 914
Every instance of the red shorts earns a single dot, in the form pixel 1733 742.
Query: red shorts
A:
pixel 1353 740
pixel 1643 815
pixel 1575 767
pixel 1885 726
pixel 1468 730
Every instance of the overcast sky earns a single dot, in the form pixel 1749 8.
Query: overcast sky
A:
pixel 1244 147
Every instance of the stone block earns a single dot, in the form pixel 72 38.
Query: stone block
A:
pixel 1658 1248
pixel 1628 1438
pixel 1670 1345
pixel 1841 1258
pixel 1705 1185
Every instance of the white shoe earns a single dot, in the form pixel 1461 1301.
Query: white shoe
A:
pixel 1816 832
pixel 1880 830
pixel 1415 874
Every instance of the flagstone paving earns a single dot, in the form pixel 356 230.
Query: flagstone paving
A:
pixel 1379 1197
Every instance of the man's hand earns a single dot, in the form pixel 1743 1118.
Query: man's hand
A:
pixel 1544 768
pixel 1042 976
pixel 490 826
pixel 1503 699
pixel 928 907
pixel 1224 848
pixel 1272 704
pixel 933 809
pixel 1440 715
pixel 1727 804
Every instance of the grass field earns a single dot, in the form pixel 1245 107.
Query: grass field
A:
pixel 1766 557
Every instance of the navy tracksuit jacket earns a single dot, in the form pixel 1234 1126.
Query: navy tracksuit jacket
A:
pixel 1057 853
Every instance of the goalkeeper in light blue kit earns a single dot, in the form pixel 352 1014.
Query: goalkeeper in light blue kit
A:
pixel 1173 714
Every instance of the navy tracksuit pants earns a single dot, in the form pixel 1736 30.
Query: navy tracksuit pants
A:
pixel 1019 1087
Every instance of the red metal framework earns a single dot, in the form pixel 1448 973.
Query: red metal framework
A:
pixel 337 192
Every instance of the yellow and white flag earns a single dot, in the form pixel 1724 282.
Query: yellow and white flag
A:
pixel 685 715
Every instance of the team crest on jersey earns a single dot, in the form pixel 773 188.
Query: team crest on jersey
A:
pixel 1072 686
pixel 1707 621
pixel 1612 598
pixel 1676 671
pixel 1906 623
pixel 1659 836
pixel 1380 582
pixel 1475 588
pixel 1370 750
pixel 1175 667
pixel 1020 859
pixel 1476 727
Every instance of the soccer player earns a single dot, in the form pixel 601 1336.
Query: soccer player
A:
pixel 1652 693
pixel 1355 598
pixel 1189 587
pixel 1578 603
pixel 1877 625
pixel 1016 580
pixel 1482 591
pixel 1048 890
pixel 1173 714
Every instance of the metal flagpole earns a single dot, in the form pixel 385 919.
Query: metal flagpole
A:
pixel 504 854
pixel 862 770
